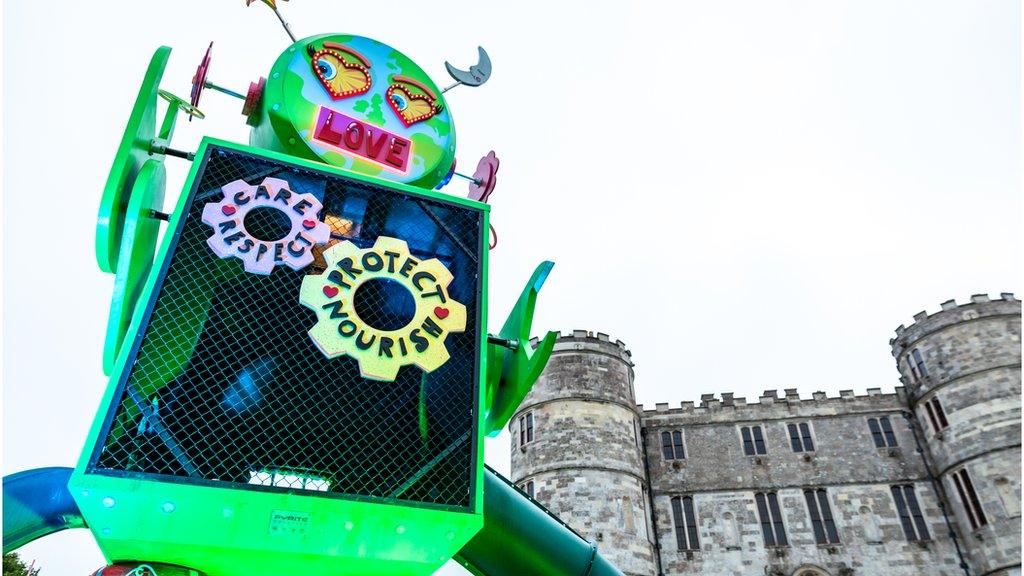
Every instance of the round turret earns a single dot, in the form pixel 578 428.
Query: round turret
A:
pixel 961 367
pixel 576 447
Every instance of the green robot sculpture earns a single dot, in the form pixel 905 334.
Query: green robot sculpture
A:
pixel 302 377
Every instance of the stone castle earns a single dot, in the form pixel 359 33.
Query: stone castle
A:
pixel 924 481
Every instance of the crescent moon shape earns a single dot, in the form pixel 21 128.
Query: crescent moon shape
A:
pixel 476 75
pixel 484 64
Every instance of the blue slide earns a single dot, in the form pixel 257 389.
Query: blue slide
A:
pixel 37 503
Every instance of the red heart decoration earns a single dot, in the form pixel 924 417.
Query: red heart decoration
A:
pixel 228 210
pixel 309 224
pixel 330 291
pixel 441 313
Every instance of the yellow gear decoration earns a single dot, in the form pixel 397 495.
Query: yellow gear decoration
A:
pixel 380 353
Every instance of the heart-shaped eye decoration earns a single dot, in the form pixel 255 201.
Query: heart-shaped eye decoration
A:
pixel 411 100
pixel 342 71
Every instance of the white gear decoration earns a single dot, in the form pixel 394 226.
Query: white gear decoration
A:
pixel 230 238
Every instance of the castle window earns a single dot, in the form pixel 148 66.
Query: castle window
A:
pixel 922 370
pixel 526 429
pixel 969 499
pixel 685 523
pixel 936 415
pixel 881 432
pixel 821 517
pixel 753 440
pixel 771 519
pixel 915 376
pixel 527 487
pixel 672 445
pixel 914 526
pixel 800 437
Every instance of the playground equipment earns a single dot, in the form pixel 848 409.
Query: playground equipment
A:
pixel 301 378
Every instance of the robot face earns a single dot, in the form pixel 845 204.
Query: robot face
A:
pixel 361 105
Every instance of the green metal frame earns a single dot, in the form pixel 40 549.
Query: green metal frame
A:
pixel 224 531
pixel 135 258
pixel 132 152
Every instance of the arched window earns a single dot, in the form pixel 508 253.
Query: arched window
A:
pixel 911 517
pixel 526 429
pixel 672 445
pixel 770 514
pixel 753 440
pixel 527 487
pixel 936 415
pixel 969 499
pixel 685 521
pixel 881 432
pixel 800 437
pixel 823 524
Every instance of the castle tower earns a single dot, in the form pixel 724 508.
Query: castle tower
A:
pixel 576 448
pixel 962 370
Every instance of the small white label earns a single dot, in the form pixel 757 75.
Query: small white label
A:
pixel 286 522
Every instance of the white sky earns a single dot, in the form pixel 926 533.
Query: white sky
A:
pixel 750 194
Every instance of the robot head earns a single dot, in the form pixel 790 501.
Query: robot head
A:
pixel 358 104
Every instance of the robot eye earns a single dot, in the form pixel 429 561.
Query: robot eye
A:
pixel 326 68
pixel 342 71
pixel 399 101
pixel 412 101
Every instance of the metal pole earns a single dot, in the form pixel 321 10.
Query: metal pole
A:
pixel 223 90
pixel 285 24
pixel 470 178
pixel 650 500
pixel 450 87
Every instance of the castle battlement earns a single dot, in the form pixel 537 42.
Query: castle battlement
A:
pixel 589 340
pixel 772 405
pixel 950 313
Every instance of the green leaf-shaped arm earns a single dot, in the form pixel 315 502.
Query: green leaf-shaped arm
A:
pixel 512 369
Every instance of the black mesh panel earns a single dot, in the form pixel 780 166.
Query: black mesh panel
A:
pixel 225 386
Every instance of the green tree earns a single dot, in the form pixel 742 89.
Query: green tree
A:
pixel 13 566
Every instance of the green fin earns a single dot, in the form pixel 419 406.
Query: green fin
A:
pixel 511 373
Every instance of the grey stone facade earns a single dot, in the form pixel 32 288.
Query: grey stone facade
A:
pixel 596 459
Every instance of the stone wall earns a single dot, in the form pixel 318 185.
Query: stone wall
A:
pixel 972 365
pixel 871 538
pixel 844 450
pixel 596 457
pixel 585 461
pixel 845 462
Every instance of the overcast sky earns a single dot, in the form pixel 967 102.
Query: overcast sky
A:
pixel 751 194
